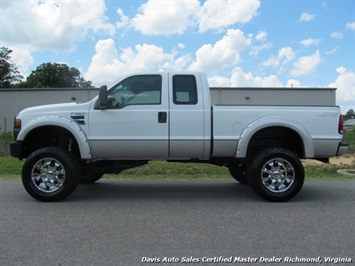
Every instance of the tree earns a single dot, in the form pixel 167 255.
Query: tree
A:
pixel 9 73
pixel 54 75
pixel 349 115
pixel 84 83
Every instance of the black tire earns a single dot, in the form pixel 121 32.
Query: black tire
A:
pixel 90 179
pixel 238 172
pixel 276 174
pixel 50 174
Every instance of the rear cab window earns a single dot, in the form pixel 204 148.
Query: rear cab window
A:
pixel 184 90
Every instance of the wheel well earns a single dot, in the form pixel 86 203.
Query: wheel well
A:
pixel 282 137
pixel 47 136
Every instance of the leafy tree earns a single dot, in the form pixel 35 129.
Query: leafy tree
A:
pixel 9 73
pixel 349 115
pixel 84 83
pixel 54 75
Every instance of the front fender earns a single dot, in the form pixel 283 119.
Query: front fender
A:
pixel 266 122
pixel 69 124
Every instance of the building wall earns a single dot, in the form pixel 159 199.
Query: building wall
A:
pixel 12 101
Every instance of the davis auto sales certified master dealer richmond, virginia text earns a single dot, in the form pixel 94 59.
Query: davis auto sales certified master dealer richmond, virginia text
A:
pixel 231 259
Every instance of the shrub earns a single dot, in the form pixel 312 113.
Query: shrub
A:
pixel 349 137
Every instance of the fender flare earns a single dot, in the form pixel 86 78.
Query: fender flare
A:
pixel 66 123
pixel 266 122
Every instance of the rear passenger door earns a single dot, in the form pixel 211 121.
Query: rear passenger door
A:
pixel 186 117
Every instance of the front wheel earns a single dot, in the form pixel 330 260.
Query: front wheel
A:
pixel 50 174
pixel 276 174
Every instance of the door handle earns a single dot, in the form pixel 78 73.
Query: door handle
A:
pixel 162 117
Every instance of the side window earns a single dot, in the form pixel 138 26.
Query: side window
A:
pixel 136 90
pixel 184 89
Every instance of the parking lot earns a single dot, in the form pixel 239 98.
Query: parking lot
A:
pixel 165 222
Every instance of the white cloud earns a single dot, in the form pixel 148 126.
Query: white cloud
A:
pixel 350 25
pixel 181 45
pixel 284 56
pixel 175 16
pixel 306 17
pixel 261 36
pixel 224 53
pixel 53 25
pixel 309 42
pixel 223 13
pixel 255 50
pixel 165 18
pixel 292 83
pixel 345 84
pixel 178 64
pixel 333 51
pixel 22 58
pixel 108 63
pixel 240 78
pixel 271 62
pixel 219 81
pixel 336 35
pixel 123 19
pixel 306 65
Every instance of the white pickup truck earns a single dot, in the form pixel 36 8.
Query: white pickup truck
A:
pixel 169 116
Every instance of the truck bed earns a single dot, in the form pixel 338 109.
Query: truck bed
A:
pixel 319 124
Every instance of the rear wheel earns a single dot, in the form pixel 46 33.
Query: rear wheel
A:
pixel 276 174
pixel 50 174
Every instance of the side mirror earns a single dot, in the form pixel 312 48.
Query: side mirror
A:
pixel 103 99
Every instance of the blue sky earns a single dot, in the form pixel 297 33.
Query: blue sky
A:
pixel 237 43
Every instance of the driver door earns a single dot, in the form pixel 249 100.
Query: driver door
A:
pixel 135 124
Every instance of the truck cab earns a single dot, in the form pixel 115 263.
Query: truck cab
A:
pixel 152 116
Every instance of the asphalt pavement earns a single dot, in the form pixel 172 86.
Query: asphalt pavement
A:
pixel 169 222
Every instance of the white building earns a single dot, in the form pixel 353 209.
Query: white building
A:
pixel 12 101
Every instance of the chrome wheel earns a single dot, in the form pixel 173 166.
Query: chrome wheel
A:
pixel 48 175
pixel 278 175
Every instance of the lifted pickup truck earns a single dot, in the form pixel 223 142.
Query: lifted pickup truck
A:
pixel 169 116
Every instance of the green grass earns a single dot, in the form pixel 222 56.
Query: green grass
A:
pixel 11 168
pixel 349 138
pixel 327 172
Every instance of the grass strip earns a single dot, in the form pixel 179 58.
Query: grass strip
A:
pixel 10 168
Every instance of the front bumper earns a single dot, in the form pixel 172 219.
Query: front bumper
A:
pixel 342 148
pixel 16 149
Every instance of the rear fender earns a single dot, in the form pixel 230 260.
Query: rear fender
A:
pixel 266 122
